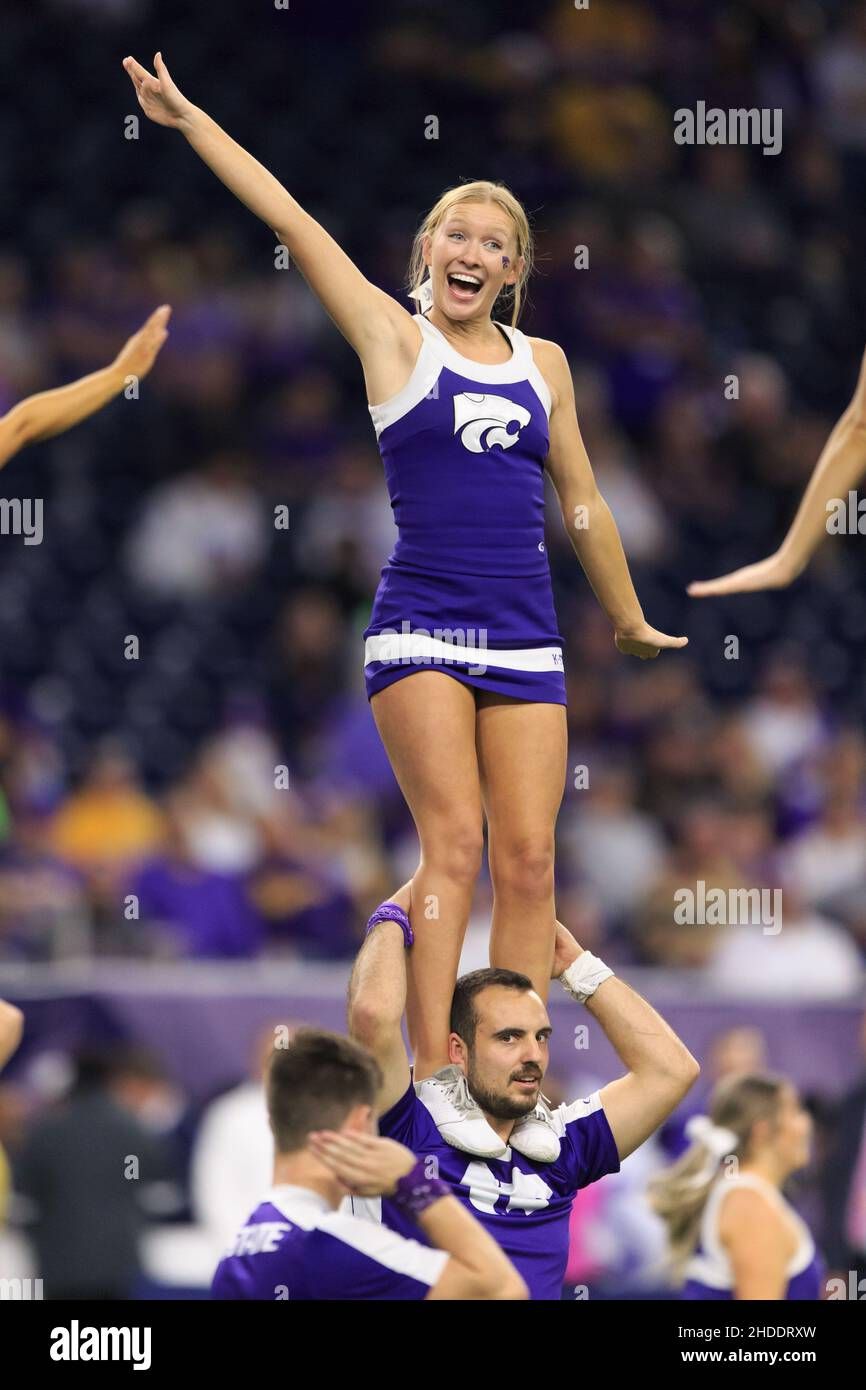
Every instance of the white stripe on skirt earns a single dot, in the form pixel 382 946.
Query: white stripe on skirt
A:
pixel 408 648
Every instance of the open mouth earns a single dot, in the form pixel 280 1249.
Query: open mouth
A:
pixel 527 1080
pixel 463 286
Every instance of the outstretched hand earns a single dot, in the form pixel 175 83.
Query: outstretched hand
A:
pixel 138 354
pixel 646 642
pixel 158 97
pixel 766 574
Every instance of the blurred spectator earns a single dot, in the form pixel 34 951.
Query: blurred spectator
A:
pixel 783 723
pixel 43 905
pixel 85 1168
pixel 799 955
pixel 233 1156
pixel 737 1052
pixel 200 534
pixel 828 861
pixel 109 823
pixel 616 848
pixel 841 81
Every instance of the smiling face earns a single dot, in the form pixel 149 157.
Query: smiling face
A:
pixel 506 1062
pixel 471 256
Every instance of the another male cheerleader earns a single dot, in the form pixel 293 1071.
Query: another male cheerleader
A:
pixel 297 1245
pixel 510 1159
pixel 51 412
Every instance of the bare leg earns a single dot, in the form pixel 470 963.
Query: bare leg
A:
pixel 522 752
pixel 427 723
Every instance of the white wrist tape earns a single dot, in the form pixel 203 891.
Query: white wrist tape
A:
pixel 583 976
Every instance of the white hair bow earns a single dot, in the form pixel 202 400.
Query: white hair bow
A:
pixel 719 1140
pixel 423 295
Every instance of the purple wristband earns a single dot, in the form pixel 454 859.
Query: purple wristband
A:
pixel 391 912
pixel 415 1191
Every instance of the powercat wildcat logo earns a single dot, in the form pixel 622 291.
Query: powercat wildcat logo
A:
pixel 483 421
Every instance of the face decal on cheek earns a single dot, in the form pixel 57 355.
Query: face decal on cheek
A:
pixel 506 262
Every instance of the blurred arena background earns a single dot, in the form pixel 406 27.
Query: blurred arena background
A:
pixel 164 902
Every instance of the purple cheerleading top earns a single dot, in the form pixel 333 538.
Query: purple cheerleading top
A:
pixel 708 1273
pixel 296 1248
pixel 525 1206
pixel 463 447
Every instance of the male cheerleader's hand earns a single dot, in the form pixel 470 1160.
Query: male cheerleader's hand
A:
pixel 645 641
pixel 565 951
pixel 158 97
pixel 366 1164
pixel 139 353
pixel 771 573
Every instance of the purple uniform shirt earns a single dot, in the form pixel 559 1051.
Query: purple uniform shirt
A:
pixel 296 1247
pixel 463 446
pixel 524 1205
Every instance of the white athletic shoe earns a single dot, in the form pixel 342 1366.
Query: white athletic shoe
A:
pixel 535 1136
pixel 457 1116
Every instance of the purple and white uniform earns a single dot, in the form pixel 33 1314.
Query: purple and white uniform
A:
pixel 296 1247
pixel 524 1205
pixel 467 588
pixel 708 1272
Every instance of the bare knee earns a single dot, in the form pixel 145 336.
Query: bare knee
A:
pixel 454 848
pixel 524 869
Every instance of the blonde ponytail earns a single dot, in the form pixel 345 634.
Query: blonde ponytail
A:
pixel 678 1194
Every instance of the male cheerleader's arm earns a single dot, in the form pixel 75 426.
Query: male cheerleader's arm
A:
pixel 661 1070
pixel 588 520
pixel 377 1002
pixel 370 1166
pixel 841 465
pixel 364 314
pixel 11 1028
pixel 52 412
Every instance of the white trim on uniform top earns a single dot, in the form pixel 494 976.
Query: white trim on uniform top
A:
pixel 520 366
pixel 712 1266
pixel 310 1211
pixel 567 1113
pixel 406 647
pixel 436 352
pixel 425 374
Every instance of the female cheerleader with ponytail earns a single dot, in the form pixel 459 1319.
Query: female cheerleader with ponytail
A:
pixel 731 1232
pixel 468 412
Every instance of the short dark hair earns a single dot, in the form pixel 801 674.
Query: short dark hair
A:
pixel 314 1082
pixel 464 1019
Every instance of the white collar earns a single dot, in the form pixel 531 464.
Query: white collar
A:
pixel 283 1193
